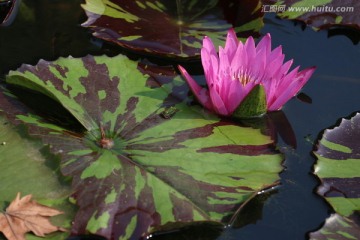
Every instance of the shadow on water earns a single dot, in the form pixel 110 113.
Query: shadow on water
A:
pixel 49 29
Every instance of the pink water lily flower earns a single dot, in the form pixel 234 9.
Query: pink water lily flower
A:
pixel 238 67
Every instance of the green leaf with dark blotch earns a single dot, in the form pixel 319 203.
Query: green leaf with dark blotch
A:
pixel 24 169
pixel 338 164
pixel 254 104
pixel 339 228
pixel 134 169
pixel 320 14
pixel 171 28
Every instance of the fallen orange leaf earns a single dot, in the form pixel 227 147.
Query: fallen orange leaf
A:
pixel 24 215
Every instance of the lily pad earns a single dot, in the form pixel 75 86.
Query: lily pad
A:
pixel 134 169
pixel 322 14
pixel 23 169
pixel 339 228
pixel 338 167
pixel 171 28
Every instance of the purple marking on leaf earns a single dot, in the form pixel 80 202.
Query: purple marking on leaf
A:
pixel 181 21
pixel 90 99
pixel 62 70
pixel 181 209
pixel 125 122
pixel 242 150
pixel 170 175
pixel 340 187
pixel 348 135
pixel 43 72
pixel 177 139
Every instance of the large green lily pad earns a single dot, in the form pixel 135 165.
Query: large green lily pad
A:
pixel 138 163
pixel 338 167
pixel 321 14
pixel 24 169
pixel 171 28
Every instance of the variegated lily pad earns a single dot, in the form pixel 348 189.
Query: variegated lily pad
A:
pixel 141 163
pixel 339 228
pixel 318 14
pixel 338 167
pixel 171 28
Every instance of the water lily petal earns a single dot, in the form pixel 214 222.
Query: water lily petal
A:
pixel 218 103
pixel 288 79
pixel 293 87
pixel 224 77
pixel 258 66
pixel 239 61
pixel 274 67
pixel 264 44
pixel 300 80
pixel 271 87
pixel 210 65
pixel 209 46
pixel 214 60
pixel 250 50
pixel 276 53
pixel 237 94
pixel 205 60
pixel 231 44
pixel 281 89
pixel 286 67
pixel 201 94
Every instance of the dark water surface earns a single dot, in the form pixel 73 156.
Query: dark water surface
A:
pixel 335 92
pixel 49 29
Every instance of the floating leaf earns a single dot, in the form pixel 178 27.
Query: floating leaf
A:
pixel 319 14
pixel 23 168
pixel 132 168
pixel 338 167
pixel 339 228
pixel 171 28
pixel 338 162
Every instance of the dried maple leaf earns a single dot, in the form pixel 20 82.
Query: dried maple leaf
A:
pixel 24 215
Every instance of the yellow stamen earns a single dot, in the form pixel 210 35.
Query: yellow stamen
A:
pixel 243 77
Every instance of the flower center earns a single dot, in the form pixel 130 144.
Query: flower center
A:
pixel 242 76
pixel 100 140
pixel 105 142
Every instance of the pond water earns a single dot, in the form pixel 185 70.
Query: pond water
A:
pixel 53 30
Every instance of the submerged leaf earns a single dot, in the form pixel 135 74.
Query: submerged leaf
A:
pixel 134 169
pixel 171 28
